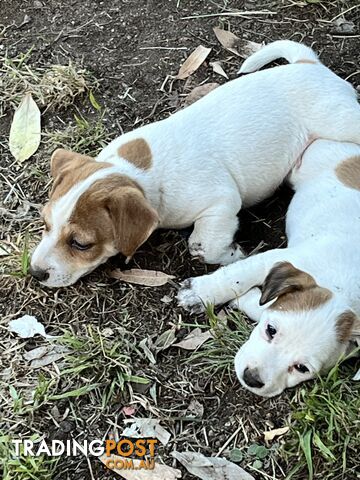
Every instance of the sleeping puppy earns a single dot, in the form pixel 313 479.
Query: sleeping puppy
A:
pixel 230 149
pixel 309 304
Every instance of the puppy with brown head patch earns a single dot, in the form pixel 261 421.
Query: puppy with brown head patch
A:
pixel 231 148
pixel 94 212
pixel 308 303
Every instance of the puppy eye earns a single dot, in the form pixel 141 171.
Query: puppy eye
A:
pixel 270 331
pixel 301 368
pixel 80 246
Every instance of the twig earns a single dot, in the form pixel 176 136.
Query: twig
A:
pixel 231 14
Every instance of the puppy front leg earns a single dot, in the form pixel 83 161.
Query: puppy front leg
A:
pixel 249 303
pixel 229 282
pixel 213 235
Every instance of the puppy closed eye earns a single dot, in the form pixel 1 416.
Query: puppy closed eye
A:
pixel 74 244
pixel 270 331
pixel 301 368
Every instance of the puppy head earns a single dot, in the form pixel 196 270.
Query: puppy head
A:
pixel 302 333
pixel 93 213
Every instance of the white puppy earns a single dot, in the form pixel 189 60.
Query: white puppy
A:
pixel 230 149
pixel 308 309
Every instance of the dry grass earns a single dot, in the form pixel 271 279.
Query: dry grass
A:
pixel 54 87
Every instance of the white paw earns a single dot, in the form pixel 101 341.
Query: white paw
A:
pixel 196 250
pixel 189 296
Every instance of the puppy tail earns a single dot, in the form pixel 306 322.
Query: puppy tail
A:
pixel 293 52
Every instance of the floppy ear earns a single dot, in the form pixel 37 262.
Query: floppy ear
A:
pixel 62 159
pixel 133 218
pixel 347 326
pixel 284 278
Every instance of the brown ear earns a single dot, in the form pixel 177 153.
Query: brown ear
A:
pixel 347 326
pixel 133 218
pixel 62 159
pixel 284 278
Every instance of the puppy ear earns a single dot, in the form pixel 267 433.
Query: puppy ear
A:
pixel 284 278
pixel 347 326
pixel 62 159
pixel 133 218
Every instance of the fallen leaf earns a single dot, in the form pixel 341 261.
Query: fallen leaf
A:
pixel 25 130
pixel 159 472
pixel 217 68
pixel 146 349
pixel 232 43
pixel 194 340
pixel 129 410
pixel 199 92
pixel 343 26
pixel 146 427
pixel 148 278
pixel 4 250
pixel 357 375
pixel 277 432
pixel 193 62
pixel 28 326
pixel 227 39
pixel 211 468
pixel 195 409
pixel 165 340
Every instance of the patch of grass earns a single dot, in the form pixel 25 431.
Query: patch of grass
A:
pixel 23 260
pixel 326 428
pixel 229 333
pixel 84 136
pixel 56 86
pixel 100 362
pixel 22 467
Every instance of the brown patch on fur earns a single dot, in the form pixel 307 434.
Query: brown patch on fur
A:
pixel 69 168
pixel 305 60
pixel 344 325
pixel 137 152
pixel 114 211
pixel 309 299
pixel 348 172
pixel 294 289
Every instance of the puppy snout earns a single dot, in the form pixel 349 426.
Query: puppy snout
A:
pixel 39 274
pixel 252 378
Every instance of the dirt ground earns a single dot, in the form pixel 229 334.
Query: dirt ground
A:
pixel 131 46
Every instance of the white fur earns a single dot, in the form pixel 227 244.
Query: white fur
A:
pixel 322 224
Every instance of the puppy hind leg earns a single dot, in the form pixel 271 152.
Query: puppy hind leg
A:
pixel 212 238
pixel 341 124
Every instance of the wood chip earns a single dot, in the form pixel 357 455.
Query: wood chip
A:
pixel 277 432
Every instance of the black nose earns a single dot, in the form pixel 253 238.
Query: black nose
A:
pixel 39 274
pixel 252 379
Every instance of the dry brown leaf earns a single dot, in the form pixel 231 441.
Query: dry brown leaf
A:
pixel 277 432
pixel 146 427
pixel 193 62
pixel 217 68
pixel 199 92
pixel 194 340
pixel 211 468
pixel 227 39
pixel 148 278
pixel 232 43
pixel 160 472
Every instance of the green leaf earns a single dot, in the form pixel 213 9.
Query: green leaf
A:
pixel 25 130
pixel 93 101
pixel 236 455
pixel 305 444
pixel 75 393
pixel 323 448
